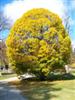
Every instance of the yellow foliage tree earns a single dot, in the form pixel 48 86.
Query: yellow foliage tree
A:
pixel 38 42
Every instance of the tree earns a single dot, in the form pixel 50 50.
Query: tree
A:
pixel 72 60
pixel 3 56
pixel 4 25
pixel 67 22
pixel 39 43
pixel 4 22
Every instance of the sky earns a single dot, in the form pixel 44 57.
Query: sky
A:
pixel 14 9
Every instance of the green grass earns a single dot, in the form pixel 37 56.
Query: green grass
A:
pixel 47 90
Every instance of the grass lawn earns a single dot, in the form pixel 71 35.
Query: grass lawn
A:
pixel 47 90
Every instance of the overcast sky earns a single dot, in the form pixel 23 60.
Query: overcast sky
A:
pixel 13 9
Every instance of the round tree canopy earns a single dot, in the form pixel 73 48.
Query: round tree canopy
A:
pixel 38 42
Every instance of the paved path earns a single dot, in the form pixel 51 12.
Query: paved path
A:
pixel 9 92
pixel 9 80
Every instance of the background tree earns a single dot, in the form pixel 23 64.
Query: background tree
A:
pixel 39 43
pixel 4 22
pixel 4 25
pixel 3 56
pixel 68 23
pixel 73 57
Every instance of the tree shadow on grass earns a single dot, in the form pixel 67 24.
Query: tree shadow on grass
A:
pixel 37 90
pixel 54 77
pixel 33 89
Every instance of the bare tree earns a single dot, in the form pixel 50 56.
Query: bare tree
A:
pixel 4 25
pixel 67 21
pixel 4 22
pixel 3 56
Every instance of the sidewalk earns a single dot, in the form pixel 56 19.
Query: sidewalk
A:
pixel 9 79
pixel 9 92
